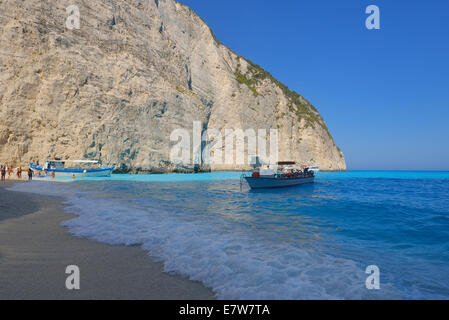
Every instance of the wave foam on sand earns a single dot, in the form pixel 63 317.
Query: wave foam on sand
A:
pixel 224 255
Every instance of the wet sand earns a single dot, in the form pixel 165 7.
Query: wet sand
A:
pixel 35 251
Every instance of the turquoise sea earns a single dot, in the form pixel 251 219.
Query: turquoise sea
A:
pixel 306 242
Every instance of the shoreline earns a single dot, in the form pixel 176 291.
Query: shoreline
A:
pixel 202 172
pixel 14 179
pixel 35 251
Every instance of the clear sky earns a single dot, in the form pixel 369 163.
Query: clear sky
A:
pixel 384 94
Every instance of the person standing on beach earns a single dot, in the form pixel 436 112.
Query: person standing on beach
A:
pixel 3 173
pixel 30 174
pixel 10 171
pixel 19 173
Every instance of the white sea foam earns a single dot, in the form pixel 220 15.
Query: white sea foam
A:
pixel 226 256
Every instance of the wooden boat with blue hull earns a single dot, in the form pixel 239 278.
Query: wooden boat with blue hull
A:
pixel 287 177
pixel 80 168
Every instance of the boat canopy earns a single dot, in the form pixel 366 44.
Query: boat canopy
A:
pixel 75 161
pixel 286 163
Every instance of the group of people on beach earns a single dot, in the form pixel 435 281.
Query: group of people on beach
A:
pixel 5 169
pixel 44 173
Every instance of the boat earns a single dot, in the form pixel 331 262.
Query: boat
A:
pixel 315 169
pixel 289 175
pixel 83 168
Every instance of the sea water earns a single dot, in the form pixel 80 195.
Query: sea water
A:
pixel 312 241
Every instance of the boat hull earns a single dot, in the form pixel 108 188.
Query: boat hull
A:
pixel 100 172
pixel 265 183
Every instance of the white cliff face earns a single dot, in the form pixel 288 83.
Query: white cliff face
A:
pixel 136 70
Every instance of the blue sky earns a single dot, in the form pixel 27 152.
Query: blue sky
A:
pixel 384 94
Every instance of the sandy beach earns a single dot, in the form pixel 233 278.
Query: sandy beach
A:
pixel 35 251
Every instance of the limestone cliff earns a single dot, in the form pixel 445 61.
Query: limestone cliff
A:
pixel 134 71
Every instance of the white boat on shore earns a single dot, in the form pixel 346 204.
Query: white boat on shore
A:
pixel 82 168
pixel 288 176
